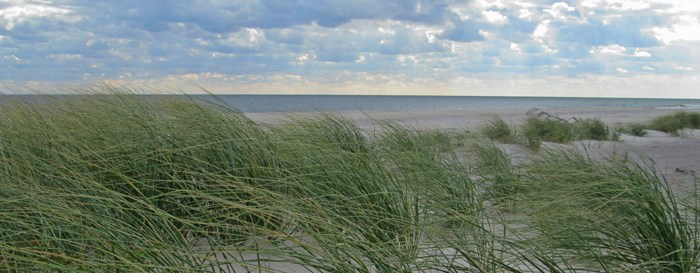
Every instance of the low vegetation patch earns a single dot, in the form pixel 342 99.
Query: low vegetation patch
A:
pixel 498 129
pixel 673 123
pixel 635 129
pixel 541 126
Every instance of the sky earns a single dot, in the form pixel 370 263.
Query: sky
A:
pixel 589 48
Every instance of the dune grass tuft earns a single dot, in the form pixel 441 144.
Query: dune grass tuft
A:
pixel 672 123
pixel 498 129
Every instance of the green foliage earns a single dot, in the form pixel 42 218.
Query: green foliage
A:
pixel 495 171
pixel 636 129
pixel 537 130
pixel 114 182
pixel 498 129
pixel 672 123
pixel 593 129
pixel 614 211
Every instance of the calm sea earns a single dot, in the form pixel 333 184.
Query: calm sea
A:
pixel 306 103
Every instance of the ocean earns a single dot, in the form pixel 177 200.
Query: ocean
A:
pixel 307 103
pixel 333 103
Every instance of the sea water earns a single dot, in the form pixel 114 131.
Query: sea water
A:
pixel 333 103
pixel 307 103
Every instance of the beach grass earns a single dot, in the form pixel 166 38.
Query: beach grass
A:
pixel 635 129
pixel 537 129
pixel 499 130
pixel 115 182
pixel 674 122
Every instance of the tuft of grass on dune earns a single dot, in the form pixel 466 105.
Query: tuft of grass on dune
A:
pixel 499 130
pixel 538 129
pixel 543 127
pixel 635 129
pixel 673 123
pixel 616 214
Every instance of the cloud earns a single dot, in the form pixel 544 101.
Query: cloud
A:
pixel 332 40
pixel 684 27
pixel 495 17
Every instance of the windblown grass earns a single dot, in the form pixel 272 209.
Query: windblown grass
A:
pixel 498 129
pixel 538 129
pixel 117 183
pixel 635 129
pixel 672 123
pixel 620 214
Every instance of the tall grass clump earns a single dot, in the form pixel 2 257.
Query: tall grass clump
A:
pixel 594 129
pixel 496 174
pixel 635 129
pixel 553 129
pixel 538 129
pixel 498 129
pixel 672 123
pixel 615 213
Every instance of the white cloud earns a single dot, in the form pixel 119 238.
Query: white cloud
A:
pixel 541 30
pixel 526 14
pixel 686 28
pixel 641 53
pixel 23 12
pixel 515 47
pixel 621 5
pixel 542 34
pixel 14 59
pixel 678 6
pixel 495 17
pixel 613 49
pixel 491 3
pixel 563 12
pixel 247 38
pixel 621 70
pixel 64 57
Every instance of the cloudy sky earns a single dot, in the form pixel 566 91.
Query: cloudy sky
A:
pixel 620 48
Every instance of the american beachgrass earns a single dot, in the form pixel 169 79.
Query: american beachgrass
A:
pixel 537 129
pixel 121 183
pixel 674 122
